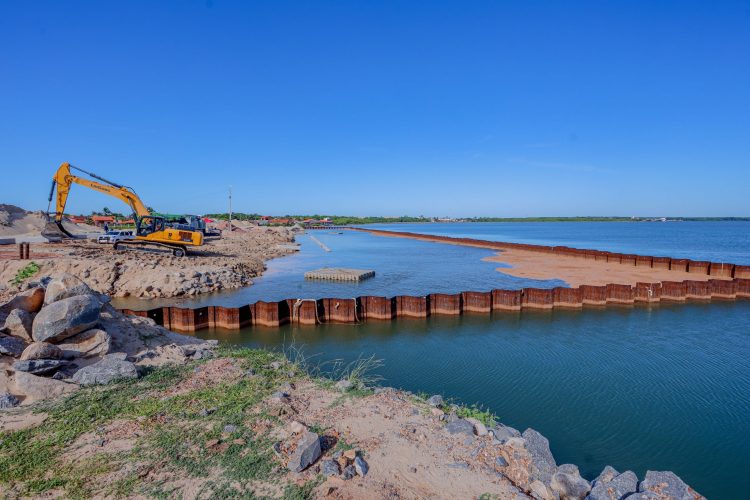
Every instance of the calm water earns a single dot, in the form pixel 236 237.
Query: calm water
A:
pixel 664 388
pixel 402 267
pixel 713 241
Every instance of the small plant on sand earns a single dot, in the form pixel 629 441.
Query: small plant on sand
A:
pixel 485 416
pixel 27 272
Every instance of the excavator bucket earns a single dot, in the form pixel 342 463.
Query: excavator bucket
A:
pixel 55 231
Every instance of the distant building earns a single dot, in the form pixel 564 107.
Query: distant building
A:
pixel 100 220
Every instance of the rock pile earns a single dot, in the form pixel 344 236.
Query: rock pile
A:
pixel 526 460
pixel 59 335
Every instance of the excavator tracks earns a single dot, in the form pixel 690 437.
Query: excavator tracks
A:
pixel 145 245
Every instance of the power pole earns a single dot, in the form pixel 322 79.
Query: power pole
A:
pixel 230 210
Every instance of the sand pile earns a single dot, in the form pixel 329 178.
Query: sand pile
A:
pixel 222 264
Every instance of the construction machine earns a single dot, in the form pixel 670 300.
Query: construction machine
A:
pixel 152 231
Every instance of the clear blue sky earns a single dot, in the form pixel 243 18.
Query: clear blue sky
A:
pixel 386 108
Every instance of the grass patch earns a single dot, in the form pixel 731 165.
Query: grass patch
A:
pixel 26 272
pixel 474 411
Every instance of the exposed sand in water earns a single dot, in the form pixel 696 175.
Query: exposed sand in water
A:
pixel 576 271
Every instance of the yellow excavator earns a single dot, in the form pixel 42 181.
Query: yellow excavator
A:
pixel 151 231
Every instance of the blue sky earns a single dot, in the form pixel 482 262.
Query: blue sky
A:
pixel 386 108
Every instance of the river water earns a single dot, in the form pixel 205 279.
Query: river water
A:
pixel 661 388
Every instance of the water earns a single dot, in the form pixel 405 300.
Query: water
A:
pixel 713 241
pixel 402 267
pixel 663 388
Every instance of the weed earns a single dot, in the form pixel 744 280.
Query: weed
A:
pixel 305 492
pixel 485 416
pixel 27 272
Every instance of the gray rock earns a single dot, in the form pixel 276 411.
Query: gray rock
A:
pixel 65 286
pixel 276 365
pixel 65 318
pixel 542 462
pixel 88 344
pixel 104 371
pixel 607 474
pixel 610 485
pixel 569 469
pixel 667 484
pixel 501 462
pixel 569 486
pixel 8 400
pixel 18 324
pixel 12 346
pixel 460 426
pixel 502 433
pixel 436 401
pixel 349 472
pixel 38 388
pixel 229 429
pixel 458 465
pixel 344 385
pixel 361 466
pixel 38 366
pixel 306 453
pixel 329 468
pixel 41 350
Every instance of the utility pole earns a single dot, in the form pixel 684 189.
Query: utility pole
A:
pixel 230 210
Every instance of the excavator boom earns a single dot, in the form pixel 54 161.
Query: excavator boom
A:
pixel 63 180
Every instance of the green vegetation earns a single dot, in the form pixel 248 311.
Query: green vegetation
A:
pixel 485 416
pixel 27 272
pixel 175 434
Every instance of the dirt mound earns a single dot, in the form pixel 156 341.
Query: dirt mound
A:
pixel 16 221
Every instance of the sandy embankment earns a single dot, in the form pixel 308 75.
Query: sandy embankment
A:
pixel 575 271
pixel 227 263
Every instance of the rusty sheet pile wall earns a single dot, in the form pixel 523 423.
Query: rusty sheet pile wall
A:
pixel 368 308
pixel 731 282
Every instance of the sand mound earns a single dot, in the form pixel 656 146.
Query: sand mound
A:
pixel 16 221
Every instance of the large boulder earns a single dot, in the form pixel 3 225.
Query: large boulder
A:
pixel 38 388
pixel 569 485
pixel 88 344
pixel 668 485
pixel 30 300
pixel 39 366
pixel 65 318
pixel 542 462
pixel 611 485
pixel 460 426
pixel 502 433
pixel 65 286
pixel 41 350
pixel 11 346
pixel 18 323
pixel 306 452
pixel 110 368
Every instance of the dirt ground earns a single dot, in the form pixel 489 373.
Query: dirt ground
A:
pixel 226 263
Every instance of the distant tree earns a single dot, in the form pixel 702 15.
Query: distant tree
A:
pixel 106 211
pixel 151 210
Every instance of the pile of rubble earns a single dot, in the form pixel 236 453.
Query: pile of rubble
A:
pixel 59 334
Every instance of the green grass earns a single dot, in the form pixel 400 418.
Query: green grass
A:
pixel 485 416
pixel 175 431
pixel 27 272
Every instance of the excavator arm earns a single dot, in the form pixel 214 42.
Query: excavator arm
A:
pixel 63 180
